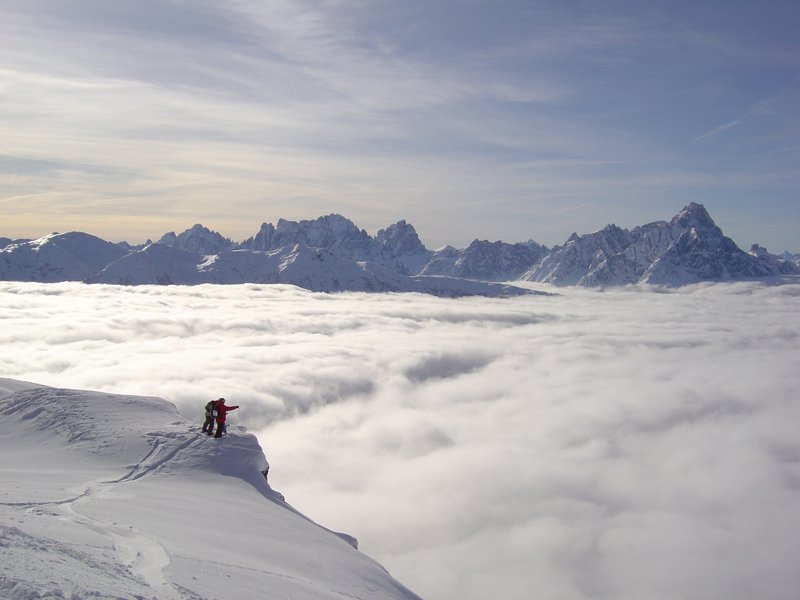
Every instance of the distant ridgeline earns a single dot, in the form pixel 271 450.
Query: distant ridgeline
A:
pixel 331 254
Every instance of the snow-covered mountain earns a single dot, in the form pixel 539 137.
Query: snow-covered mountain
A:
pixel 783 263
pixel 155 264
pixel 401 245
pixel 687 249
pixel 109 496
pixel 333 232
pixel 315 269
pixel 70 256
pixel 4 241
pixel 197 239
pixel 397 247
pixel 789 257
pixel 491 261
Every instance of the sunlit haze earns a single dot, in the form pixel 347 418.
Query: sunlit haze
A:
pixel 500 121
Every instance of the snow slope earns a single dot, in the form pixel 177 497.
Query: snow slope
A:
pixel 72 256
pixel 315 269
pixel 110 496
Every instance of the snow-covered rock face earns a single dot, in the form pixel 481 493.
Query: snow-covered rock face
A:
pixel 583 260
pixel 331 231
pixel 399 244
pixel 402 238
pixel 687 249
pixel 398 247
pixel 790 258
pixel 109 496
pixel 198 239
pixel 484 260
pixel 785 263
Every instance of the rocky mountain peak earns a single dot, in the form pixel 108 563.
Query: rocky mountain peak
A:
pixel 694 215
pixel 197 239
pixel 401 237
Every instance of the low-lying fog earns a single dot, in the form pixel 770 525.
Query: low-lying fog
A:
pixel 625 444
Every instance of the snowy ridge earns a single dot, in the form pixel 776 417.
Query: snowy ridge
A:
pixel 110 496
pixel 70 256
pixel 782 263
pixel 484 260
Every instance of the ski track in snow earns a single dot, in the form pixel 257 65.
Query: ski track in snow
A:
pixel 145 557
pixel 151 461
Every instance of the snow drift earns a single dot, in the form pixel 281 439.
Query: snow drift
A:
pixel 111 496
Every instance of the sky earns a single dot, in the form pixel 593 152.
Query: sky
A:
pixel 508 120
pixel 618 445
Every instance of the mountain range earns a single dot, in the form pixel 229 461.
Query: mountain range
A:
pixel 332 254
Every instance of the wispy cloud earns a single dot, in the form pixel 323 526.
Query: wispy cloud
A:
pixel 378 111
pixel 719 130
pixel 587 445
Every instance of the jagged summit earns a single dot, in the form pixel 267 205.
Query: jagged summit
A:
pixel 694 215
pixel 484 260
pixel 329 231
pixel 197 239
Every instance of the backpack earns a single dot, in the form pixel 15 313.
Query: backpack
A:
pixel 211 409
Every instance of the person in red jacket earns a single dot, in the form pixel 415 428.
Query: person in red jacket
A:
pixel 222 411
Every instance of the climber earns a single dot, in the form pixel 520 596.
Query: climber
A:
pixel 222 410
pixel 211 414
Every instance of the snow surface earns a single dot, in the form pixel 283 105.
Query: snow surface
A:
pixel 111 496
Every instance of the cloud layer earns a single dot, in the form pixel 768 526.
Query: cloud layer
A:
pixel 624 444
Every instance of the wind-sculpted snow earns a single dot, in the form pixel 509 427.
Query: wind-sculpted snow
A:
pixel 110 496
pixel 631 443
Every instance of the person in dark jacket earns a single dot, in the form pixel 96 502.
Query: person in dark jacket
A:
pixel 211 413
pixel 222 411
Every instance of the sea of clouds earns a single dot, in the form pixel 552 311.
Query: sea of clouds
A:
pixel 620 444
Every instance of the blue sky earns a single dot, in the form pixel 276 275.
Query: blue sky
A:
pixel 491 119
